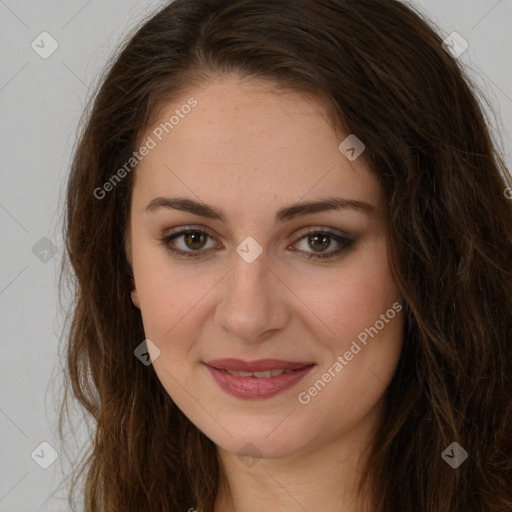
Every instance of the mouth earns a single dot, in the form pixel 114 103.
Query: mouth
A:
pixel 257 379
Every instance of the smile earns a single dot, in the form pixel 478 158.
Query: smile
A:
pixel 258 384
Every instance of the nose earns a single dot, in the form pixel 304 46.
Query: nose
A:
pixel 253 303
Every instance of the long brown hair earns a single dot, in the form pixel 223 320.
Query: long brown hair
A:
pixel 382 69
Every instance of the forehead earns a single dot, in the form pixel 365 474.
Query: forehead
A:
pixel 245 145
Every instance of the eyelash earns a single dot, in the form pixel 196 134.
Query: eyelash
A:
pixel 345 243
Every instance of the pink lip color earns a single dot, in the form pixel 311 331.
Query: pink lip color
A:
pixel 254 387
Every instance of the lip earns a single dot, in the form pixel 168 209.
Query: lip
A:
pixel 259 365
pixel 254 387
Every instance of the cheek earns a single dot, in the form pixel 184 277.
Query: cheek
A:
pixel 373 336
pixel 163 292
pixel 362 311
pixel 167 301
pixel 352 297
pixel 360 362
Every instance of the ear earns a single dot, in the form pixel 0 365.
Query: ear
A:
pixel 135 298
pixel 134 294
pixel 129 270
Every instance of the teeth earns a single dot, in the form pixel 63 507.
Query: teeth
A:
pixel 265 374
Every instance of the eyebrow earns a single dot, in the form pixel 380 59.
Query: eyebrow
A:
pixel 282 215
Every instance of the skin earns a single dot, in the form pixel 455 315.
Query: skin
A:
pixel 248 149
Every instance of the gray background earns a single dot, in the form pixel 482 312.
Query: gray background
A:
pixel 41 101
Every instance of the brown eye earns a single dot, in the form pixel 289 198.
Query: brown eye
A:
pixel 194 239
pixel 319 241
pixel 193 243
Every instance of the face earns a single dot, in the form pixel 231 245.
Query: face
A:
pixel 254 279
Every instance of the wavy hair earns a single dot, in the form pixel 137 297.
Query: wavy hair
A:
pixel 382 69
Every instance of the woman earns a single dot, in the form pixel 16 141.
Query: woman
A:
pixel 292 247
